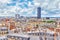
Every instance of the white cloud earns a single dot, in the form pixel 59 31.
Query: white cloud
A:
pixel 51 5
pixel 47 4
pixel 29 4
pixel 4 1
pixel 56 15
pixel 43 12
pixel 59 5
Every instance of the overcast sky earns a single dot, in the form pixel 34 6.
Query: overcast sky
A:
pixel 49 8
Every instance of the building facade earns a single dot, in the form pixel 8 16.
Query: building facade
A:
pixel 39 12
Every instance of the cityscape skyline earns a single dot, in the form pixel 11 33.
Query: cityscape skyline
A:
pixel 49 8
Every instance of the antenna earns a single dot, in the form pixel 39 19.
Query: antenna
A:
pixel 17 6
pixel 17 15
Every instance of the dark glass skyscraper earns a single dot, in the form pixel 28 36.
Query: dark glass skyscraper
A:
pixel 39 12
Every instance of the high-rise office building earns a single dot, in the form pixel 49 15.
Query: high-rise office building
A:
pixel 39 12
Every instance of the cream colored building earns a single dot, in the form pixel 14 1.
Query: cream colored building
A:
pixel 3 31
pixel 18 37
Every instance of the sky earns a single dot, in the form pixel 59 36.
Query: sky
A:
pixel 49 8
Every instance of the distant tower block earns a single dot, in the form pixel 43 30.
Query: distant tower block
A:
pixel 17 16
pixel 39 12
